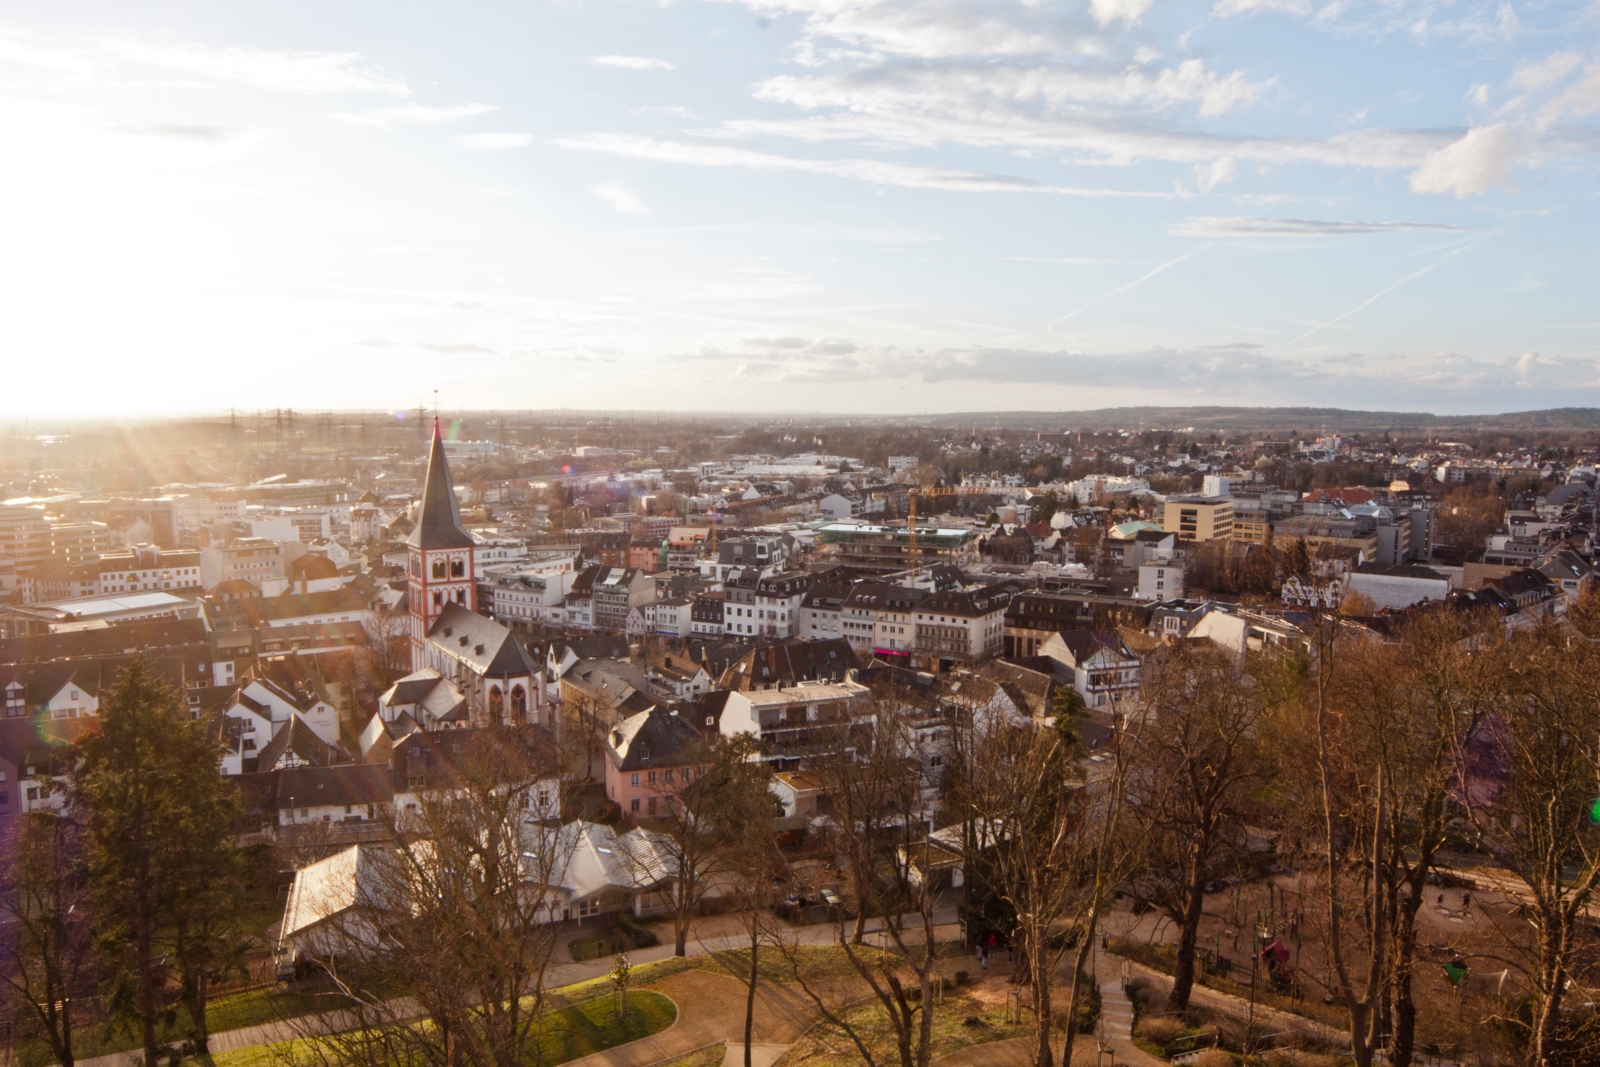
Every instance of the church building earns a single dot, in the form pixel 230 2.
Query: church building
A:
pixel 496 678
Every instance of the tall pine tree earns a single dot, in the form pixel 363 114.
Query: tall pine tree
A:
pixel 162 869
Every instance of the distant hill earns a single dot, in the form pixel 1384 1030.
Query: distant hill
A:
pixel 1305 420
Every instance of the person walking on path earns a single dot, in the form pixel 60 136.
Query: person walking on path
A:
pixel 983 955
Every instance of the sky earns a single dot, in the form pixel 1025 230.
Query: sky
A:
pixel 875 206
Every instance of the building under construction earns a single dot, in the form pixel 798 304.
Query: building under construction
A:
pixel 881 550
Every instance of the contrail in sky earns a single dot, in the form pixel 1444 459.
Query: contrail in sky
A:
pixel 1386 290
pixel 1051 325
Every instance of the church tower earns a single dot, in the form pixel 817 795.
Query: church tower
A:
pixel 439 555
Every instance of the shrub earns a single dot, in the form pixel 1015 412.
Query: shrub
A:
pixel 961 978
pixel 624 927
pixel 1288 1057
pixel 1213 1057
pixel 1161 1029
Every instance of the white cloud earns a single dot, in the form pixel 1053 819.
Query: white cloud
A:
pixel 931 29
pixel 1209 176
pixel 1219 226
pixel 634 62
pixel 292 72
pixel 1128 10
pixel 494 142
pixel 1227 8
pixel 904 175
pixel 1544 73
pixel 1473 165
pixel 622 200
pixel 415 114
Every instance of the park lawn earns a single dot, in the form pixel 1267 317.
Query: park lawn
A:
pixel 817 962
pixel 571 1032
pixel 232 1011
pixel 640 974
pixel 706 1057
pixel 827 1046
pixel 594 1026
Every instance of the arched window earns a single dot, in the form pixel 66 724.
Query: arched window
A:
pixel 438 568
pixel 458 568
pixel 519 703
pixel 497 702
pixel 461 596
pixel 438 599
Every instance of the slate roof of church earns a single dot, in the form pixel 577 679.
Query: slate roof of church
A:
pixel 439 521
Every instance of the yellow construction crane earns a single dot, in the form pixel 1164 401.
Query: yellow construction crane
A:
pixel 911 514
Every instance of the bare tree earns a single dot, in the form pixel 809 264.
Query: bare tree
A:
pixel 44 932
pixel 1542 822
pixel 694 826
pixel 1198 760
pixel 1047 840
pixel 1355 814
pixel 752 861
pixel 1413 707
pixel 872 772
pixel 453 922
pixel 389 638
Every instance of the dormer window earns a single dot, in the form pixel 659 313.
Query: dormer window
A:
pixel 644 751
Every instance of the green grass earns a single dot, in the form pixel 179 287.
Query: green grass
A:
pixel 706 1057
pixel 233 1011
pixel 569 1033
pixel 817 962
pixel 594 1026
pixel 641 974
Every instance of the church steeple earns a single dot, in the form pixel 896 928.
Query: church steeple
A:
pixel 439 521
pixel 441 571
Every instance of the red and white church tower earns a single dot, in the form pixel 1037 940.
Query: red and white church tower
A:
pixel 439 555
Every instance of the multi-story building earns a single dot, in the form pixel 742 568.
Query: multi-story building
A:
pixel 820 610
pixel 618 592
pixel 894 630
pixel 1104 669
pixel 858 614
pixel 248 559
pixel 763 605
pixel 962 626
pixel 148 567
pixel 794 718
pixel 650 756
pixel 1251 525
pixel 58 581
pixel 80 542
pixel 527 595
pixel 1033 618
pixel 24 535
pixel 1160 579
pixel 1198 518
pixel 706 615
pixel 1316 531
pixel 878 550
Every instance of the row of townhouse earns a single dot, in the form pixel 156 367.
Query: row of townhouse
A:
pixel 599 597
pixel 945 625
